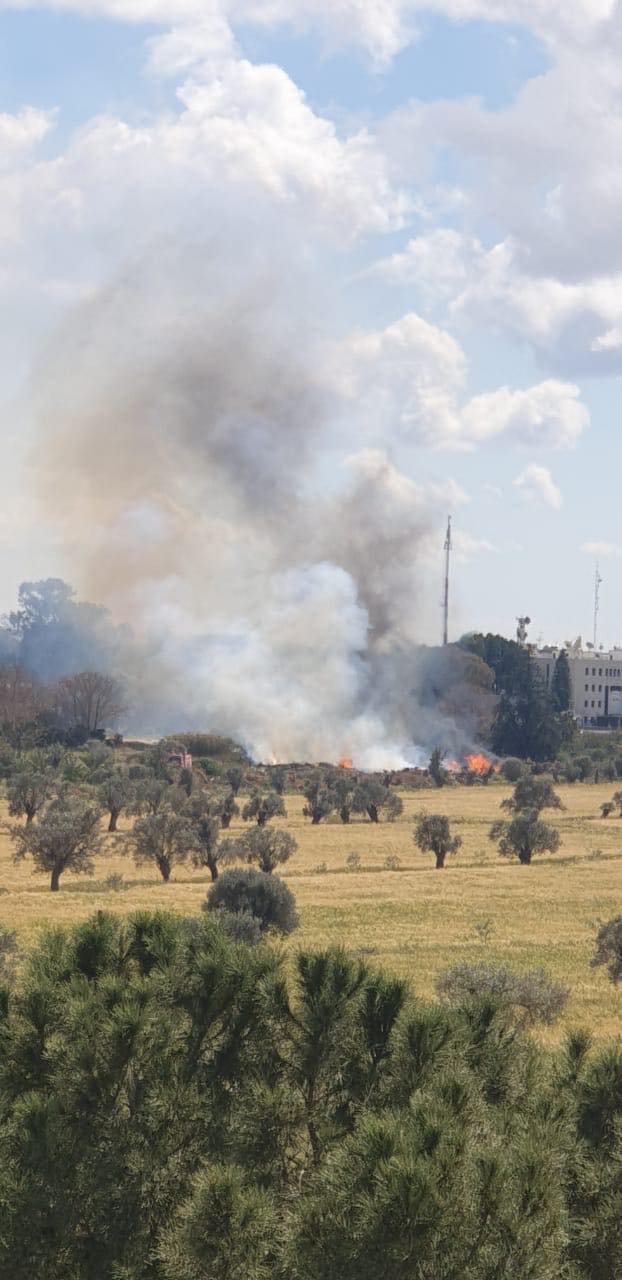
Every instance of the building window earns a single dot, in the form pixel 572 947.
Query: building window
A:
pixel 599 702
pixel 600 671
pixel 593 671
pixel 593 688
pixel 587 688
pixel 587 671
pixel 600 689
pixel 585 703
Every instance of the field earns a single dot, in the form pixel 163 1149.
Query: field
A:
pixel 414 920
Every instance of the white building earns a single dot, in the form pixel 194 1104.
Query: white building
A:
pixel 596 680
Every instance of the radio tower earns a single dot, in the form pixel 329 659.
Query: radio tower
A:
pixel 597 582
pixel 447 550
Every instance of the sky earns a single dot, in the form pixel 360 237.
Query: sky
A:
pixel 431 192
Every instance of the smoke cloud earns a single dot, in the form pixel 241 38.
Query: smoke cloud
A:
pixel 207 481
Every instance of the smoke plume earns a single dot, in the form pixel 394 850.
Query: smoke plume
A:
pixel 209 482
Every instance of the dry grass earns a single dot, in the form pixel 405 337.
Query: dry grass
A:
pixel 415 920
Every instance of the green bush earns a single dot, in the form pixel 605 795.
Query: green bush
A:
pixel 255 893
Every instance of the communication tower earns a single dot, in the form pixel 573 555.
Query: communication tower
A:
pixel 447 550
pixel 597 582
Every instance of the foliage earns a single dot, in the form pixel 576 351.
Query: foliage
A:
pixel 433 835
pixel 179 1107
pixel 561 687
pixel 512 769
pixel 240 926
pixel 353 861
pixel 525 835
pixel 208 850
pixel 372 797
pixel 66 837
pixel 263 845
pixel 267 899
pixel 235 777
pixel 115 793
pixel 609 948
pixel 531 997
pixel 262 806
pixel 343 785
pixel 166 838
pixel 224 751
pixel 30 787
pixel 534 794
pixel 319 796
pixel 435 768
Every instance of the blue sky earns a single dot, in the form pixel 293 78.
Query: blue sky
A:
pixel 433 198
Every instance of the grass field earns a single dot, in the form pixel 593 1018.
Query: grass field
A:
pixel 415 920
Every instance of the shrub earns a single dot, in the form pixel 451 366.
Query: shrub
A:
pixel 530 997
pixel 392 862
pixel 353 862
pixel 609 948
pixel 512 769
pixel 253 892
pixel 240 926
pixel 263 845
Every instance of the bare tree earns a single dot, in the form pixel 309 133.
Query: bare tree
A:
pixel 90 699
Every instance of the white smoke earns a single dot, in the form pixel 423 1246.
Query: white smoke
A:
pixel 194 456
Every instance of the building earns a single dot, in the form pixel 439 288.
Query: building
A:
pixel 596 681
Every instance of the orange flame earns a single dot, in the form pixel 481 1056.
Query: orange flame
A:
pixel 345 762
pixel 477 763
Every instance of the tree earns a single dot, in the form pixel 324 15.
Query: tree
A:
pixel 264 845
pixel 235 777
pixel 209 850
pixel 90 699
pixel 152 794
pixel 320 798
pixel 530 997
pixel 373 797
pixel 561 687
pixel 29 788
pixel 343 786
pixel 166 838
pixel 525 835
pixel 534 794
pixel 115 793
pixel 277 776
pixel 227 1229
pixel 65 838
pixel 433 835
pixel 264 805
pixel 609 948
pixel 267 898
pixel 435 768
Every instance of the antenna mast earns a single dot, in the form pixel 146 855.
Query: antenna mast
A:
pixel 447 550
pixel 597 582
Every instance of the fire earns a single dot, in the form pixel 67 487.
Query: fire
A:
pixel 477 763
pixel 345 762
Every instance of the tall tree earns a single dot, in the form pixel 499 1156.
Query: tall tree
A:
pixel 561 685
pixel 90 699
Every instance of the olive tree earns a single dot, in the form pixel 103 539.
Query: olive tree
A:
pixel 262 806
pixel 209 850
pixel 525 835
pixel 66 837
pixel 29 788
pixel 343 787
pixel 373 798
pixel 319 797
pixel 263 845
pixel 533 794
pixel 165 838
pixel 433 835
pixel 116 793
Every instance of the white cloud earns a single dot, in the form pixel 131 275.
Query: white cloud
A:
pixel 21 133
pixel 608 550
pixel 411 377
pixel 536 484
